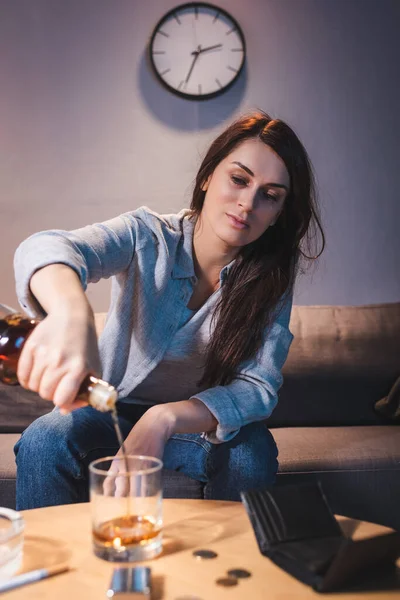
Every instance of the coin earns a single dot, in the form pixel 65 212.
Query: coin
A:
pixel 227 581
pixel 239 573
pixel 205 554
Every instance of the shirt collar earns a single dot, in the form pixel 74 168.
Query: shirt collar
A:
pixel 184 265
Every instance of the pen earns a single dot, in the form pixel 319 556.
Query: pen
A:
pixel 31 577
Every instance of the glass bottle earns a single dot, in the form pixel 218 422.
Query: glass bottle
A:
pixel 15 329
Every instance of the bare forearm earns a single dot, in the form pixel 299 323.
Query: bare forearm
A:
pixel 160 422
pixel 186 416
pixel 57 287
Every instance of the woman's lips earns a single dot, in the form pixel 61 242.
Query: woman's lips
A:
pixel 236 224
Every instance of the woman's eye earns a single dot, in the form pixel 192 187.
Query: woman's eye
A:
pixel 238 180
pixel 271 197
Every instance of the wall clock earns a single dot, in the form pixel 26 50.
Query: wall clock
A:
pixel 197 50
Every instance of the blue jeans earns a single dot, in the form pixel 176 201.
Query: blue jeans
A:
pixel 54 452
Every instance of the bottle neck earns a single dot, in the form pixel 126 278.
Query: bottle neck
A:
pixel 100 394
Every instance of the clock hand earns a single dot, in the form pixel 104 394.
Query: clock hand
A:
pixel 208 48
pixel 196 53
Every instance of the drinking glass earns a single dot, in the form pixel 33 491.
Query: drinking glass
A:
pixel 11 542
pixel 126 507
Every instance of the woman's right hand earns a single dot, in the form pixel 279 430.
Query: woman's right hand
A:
pixel 59 353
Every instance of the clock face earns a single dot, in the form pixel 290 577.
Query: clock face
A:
pixel 197 50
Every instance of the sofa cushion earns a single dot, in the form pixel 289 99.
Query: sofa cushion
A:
pixel 342 360
pixel 7 469
pixel 358 467
pixel 337 448
pixel 19 407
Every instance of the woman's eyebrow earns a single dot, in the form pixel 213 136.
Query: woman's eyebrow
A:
pixel 250 172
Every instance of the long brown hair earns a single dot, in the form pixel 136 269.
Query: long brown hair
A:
pixel 265 270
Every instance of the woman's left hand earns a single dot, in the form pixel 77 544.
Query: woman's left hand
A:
pixel 148 438
pixel 149 435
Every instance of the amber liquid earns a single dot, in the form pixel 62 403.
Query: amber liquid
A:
pixel 14 331
pixel 125 531
pixel 121 444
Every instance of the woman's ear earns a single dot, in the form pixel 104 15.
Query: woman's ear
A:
pixel 205 185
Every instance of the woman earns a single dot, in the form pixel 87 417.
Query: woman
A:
pixel 197 330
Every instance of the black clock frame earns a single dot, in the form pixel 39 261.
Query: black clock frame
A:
pixel 169 14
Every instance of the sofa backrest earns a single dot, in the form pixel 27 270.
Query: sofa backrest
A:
pixel 342 360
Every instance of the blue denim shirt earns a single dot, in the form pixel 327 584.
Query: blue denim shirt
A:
pixel 149 258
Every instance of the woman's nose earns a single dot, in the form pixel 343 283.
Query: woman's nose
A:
pixel 248 199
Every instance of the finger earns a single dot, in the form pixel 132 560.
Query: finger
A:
pixel 109 486
pixel 25 364
pixel 49 382
pixel 136 484
pixel 121 479
pixel 38 368
pixel 109 482
pixel 67 390
pixel 121 485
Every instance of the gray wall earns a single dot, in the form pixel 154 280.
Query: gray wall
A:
pixel 87 132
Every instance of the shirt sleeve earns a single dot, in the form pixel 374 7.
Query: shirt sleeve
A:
pixel 253 394
pixel 93 252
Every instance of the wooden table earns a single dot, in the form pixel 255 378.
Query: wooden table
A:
pixel 62 533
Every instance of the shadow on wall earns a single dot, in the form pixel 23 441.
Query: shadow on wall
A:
pixel 187 115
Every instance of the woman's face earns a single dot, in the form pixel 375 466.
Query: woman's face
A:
pixel 250 184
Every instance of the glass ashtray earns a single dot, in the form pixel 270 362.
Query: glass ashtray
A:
pixel 11 542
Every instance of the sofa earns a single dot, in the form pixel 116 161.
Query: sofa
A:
pixel 343 360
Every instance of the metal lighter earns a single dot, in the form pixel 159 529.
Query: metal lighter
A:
pixel 130 583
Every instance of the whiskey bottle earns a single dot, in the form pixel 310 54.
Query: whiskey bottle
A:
pixel 15 329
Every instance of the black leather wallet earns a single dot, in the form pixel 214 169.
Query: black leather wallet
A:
pixel 295 528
